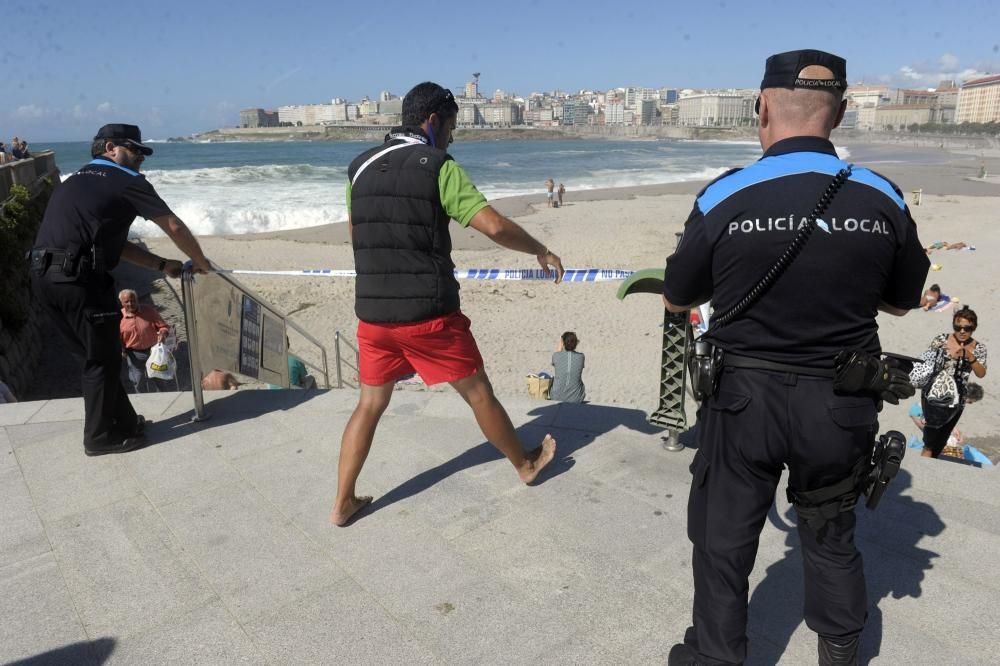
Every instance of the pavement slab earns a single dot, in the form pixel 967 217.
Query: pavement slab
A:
pixel 213 545
pixel 37 614
pixel 123 567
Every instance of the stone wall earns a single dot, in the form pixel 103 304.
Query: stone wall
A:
pixel 21 346
pixel 20 352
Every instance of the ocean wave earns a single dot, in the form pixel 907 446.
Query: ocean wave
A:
pixel 605 179
pixel 733 142
pixel 215 220
pixel 245 174
pixel 842 152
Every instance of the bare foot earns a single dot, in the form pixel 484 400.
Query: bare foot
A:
pixel 538 459
pixel 343 517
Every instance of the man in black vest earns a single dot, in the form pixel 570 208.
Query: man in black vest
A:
pixel 83 235
pixel 401 197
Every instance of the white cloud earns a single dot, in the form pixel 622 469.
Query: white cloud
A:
pixel 79 113
pixel 949 62
pixel 929 74
pixel 30 112
pixel 105 108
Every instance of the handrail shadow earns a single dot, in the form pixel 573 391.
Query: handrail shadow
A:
pixel 85 653
pixel 595 420
pixel 779 596
pixel 233 407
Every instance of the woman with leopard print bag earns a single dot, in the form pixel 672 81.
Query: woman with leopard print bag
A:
pixel 943 374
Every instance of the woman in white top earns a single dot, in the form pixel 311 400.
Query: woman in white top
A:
pixel 944 376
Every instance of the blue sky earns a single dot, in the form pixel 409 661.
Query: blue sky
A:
pixel 68 66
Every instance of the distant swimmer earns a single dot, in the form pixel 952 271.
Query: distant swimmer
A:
pixel 561 191
pixel 406 296
pixel 550 187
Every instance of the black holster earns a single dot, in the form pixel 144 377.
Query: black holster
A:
pixel 704 368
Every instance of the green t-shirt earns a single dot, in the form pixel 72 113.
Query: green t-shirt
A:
pixel 459 197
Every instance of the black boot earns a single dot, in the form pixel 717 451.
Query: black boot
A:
pixel 839 651
pixel 119 445
pixel 682 655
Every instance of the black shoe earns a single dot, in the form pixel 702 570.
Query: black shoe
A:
pixel 682 655
pixel 123 445
pixel 838 652
pixel 140 427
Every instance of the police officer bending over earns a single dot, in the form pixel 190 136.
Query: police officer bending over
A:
pixel 82 236
pixel 786 395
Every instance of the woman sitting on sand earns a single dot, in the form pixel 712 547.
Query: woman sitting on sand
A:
pixel 568 383
pixel 943 374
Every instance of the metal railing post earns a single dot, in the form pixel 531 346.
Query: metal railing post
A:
pixel 194 362
pixel 336 351
pixel 326 368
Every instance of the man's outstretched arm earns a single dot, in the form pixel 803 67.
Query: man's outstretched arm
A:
pixel 512 236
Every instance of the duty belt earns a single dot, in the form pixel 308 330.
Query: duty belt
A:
pixel 69 262
pixel 750 363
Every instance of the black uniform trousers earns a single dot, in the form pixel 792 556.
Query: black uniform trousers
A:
pixel 87 313
pixel 758 422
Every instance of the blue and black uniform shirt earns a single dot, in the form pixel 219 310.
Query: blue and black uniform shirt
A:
pixel 96 206
pixel 828 298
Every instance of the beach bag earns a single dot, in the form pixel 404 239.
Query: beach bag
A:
pixel 937 379
pixel 923 373
pixel 161 363
pixel 539 387
pixel 942 390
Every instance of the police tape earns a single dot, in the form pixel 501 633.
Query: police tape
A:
pixel 571 275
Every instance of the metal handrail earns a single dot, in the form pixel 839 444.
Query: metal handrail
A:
pixel 340 360
pixel 187 289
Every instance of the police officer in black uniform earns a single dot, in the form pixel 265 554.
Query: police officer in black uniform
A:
pixel 82 236
pixel 778 399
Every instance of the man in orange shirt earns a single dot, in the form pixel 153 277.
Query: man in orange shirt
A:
pixel 141 327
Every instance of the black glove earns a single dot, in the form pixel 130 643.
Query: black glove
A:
pixel 857 371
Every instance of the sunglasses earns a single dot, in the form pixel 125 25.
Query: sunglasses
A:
pixel 756 106
pixel 963 329
pixel 129 147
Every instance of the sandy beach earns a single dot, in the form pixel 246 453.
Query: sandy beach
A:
pixel 517 324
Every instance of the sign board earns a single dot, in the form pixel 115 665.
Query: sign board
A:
pixel 237 333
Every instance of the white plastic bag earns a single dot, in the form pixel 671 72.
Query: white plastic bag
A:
pixel 161 363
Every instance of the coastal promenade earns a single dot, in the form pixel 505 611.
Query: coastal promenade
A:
pixel 213 546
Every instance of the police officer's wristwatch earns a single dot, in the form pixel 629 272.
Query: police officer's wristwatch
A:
pixel 163 264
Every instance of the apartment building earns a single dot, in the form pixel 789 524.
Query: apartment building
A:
pixel 979 101
pixel 713 110
pixel 890 117
pixel 614 113
pixel 308 114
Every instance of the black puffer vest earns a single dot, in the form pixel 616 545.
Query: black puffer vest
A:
pixel 402 246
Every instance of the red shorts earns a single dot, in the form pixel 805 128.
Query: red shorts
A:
pixel 439 350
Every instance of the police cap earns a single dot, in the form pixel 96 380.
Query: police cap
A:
pixel 126 134
pixel 784 70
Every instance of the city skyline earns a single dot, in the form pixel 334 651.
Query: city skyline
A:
pixel 191 67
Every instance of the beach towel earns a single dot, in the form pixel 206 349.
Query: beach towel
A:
pixel 943 304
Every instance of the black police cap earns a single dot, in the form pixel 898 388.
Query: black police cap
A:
pixel 122 133
pixel 783 70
